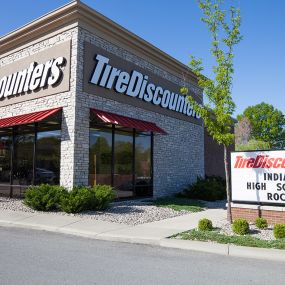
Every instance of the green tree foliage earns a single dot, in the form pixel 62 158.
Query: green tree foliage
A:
pixel 252 145
pixel 267 123
pixel 217 114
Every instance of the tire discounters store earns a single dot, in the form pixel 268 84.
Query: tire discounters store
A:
pixel 84 102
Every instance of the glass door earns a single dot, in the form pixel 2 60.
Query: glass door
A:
pixel 5 160
pixel 23 159
pixel 143 169
pixel 100 156
pixel 123 164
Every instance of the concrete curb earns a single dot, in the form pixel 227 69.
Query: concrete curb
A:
pixel 226 249
pixel 208 247
pixel 196 246
pixel 85 234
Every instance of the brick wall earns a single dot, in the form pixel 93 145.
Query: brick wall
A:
pixel 274 216
pixel 214 156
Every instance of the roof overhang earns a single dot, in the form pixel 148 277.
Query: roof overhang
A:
pixel 79 14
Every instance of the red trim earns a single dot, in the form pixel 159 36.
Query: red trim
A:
pixel 128 122
pixel 27 118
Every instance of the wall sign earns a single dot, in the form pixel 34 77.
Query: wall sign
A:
pixel 38 75
pixel 31 78
pixel 136 84
pixel 258 176
pixel 110 76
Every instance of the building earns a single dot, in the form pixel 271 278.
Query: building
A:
pixel 84 101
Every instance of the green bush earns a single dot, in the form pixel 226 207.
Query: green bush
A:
pixel 79 199
pixel 279 231
pixel 205 225
pixel 83 198
pixel 44 197
pixel 261 223
pixel 104 195
pixel 210 188
pixel 240 227
pixel 253 145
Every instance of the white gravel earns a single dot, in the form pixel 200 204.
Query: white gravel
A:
pixel 126 212
pixel 267 234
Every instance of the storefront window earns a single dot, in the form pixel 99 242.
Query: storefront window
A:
pixel 120 157
pixel 143 183
pixel 48 157
pixel 30 154
pixel 100 156
pixel 23 155
pixel 123 167
pixel 5 159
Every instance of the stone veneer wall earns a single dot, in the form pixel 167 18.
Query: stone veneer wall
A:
pixel 178 156
pixel 65 100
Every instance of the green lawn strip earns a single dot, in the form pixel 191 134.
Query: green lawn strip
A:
pixel 236 240
pixel 179 204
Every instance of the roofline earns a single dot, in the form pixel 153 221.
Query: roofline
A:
pixel 32 22
pixel 81 14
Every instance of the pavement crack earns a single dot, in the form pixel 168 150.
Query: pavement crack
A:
pixel 69 224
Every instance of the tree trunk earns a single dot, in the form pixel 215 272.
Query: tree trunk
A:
pixel 229 209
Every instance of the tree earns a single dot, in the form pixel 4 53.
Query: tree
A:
pixel 252 145
pixel 242 131
pixel 267 123
pixel 217 113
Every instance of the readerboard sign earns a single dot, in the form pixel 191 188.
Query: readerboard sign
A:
pixel 258 176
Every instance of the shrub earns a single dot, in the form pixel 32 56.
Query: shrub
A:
pixel 210 188
pixel 44 197
pixel 240 227
pixel 79 199
pixel 104 195
pixel 83 198
pixel 205 225
pixel 261 223
pixel 279 231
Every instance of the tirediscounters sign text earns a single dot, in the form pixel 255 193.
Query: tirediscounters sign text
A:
pixel 258 176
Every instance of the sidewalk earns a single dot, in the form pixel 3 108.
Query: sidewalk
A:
pixel 150 233
pixel 154 233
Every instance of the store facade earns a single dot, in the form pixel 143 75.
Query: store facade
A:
pixel 84 102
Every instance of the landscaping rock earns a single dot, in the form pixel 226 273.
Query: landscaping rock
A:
pixel 125 212
pixel 266 234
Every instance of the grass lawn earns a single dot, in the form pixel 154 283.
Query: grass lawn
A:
pixel 179 204
pixel 246 240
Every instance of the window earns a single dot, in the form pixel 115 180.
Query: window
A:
pixel 120 157
pixel 123 163
pixel 100 156
pixel 48 157
pixel 30 154
pixel 143 181
pixel 5 159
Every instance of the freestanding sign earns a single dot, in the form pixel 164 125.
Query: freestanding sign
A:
pixel 258 177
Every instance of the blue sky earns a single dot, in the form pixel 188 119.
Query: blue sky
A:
pixel 175 27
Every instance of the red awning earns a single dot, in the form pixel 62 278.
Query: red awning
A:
pixel 128 122
pixel 27 118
